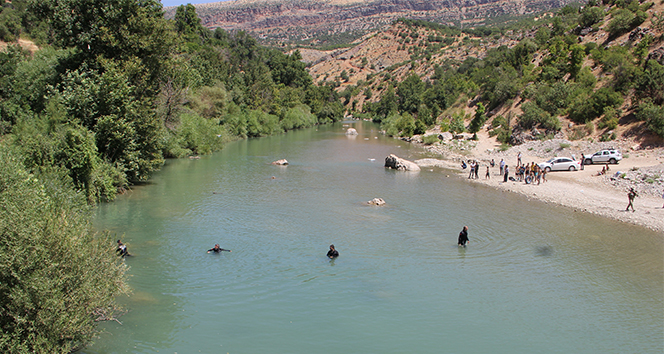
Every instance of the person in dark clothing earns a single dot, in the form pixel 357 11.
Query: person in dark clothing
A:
pixel 122 249
pixel 506 174
pixel 332 253
pixel 631 195
pixel 477 170
pixel 463 236
pixel 217 249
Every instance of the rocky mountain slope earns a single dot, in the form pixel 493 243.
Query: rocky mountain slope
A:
pixel 383 59
pixel 279 21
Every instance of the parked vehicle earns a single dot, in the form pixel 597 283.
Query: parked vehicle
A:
pixel 560 164
pixel 611 156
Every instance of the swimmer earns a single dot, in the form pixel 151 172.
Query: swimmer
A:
pixel 463 237
pixel 122 249
pixel 217 249
pixel 332 253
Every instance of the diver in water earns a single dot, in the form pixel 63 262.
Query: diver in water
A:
pixel 122 249
pixel 332 253
pixel 217 249
pixel 463 236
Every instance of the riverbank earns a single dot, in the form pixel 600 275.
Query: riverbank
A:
pixel 583 191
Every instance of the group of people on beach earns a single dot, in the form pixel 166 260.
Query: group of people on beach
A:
pixel 529 173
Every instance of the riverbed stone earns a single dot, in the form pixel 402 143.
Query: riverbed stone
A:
pixel 351 131
pixel 282 162
pixel 377 202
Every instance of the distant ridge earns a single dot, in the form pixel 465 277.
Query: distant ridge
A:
pixel 300 20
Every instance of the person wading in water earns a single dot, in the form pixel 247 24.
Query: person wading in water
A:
pixel 463 237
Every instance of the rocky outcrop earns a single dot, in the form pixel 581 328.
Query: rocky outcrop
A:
pixel 288 20
pixel 657 55
pixel 396 163
pixel 376 202
pixel 351 131
pixel 281 162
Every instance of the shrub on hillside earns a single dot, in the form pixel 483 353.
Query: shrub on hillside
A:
pixel 653 115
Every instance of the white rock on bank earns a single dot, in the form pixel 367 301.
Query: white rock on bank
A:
pixel 399 164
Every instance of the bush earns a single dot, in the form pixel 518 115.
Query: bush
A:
pixel 653 115
pixel 534 116
pixel 430 139
pixel 298 117
pixel 199 135
pixel 56 276
pixel 590 16
pixel 457 123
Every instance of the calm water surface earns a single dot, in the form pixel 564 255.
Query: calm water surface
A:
pixel 534 279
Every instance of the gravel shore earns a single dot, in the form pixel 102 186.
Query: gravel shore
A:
pixel 586 191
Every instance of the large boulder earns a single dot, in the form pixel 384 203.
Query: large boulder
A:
pixel 281 162
pixel 399 164
pixel 351 131
pixel 445 136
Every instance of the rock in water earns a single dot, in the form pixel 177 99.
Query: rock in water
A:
pixel 376 201
pixel 281 162
pixel 351 131
pixel 399 164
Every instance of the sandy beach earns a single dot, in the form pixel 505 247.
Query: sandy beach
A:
pixel 583 191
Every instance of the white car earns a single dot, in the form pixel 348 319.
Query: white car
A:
pixel 560 164
pixel 611 156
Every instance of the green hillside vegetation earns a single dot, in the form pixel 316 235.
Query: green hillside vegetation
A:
pixel 552 74
pixel 113 90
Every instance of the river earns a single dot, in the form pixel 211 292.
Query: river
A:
pixel 534 278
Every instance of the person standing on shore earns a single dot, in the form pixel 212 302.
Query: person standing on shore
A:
pixel 463 237
pixel 583 160
pixel 631 195
pixel 488 175
pixel 506 174
pixel 502 166
pixel 518 160
pixel 477 170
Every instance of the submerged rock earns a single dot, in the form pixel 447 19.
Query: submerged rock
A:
pixel 281 162
pixel 399 164
pixel 376 201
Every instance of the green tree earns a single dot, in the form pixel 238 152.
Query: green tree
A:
pixel 590 16
pixel 410 93
pixel 50 304
pixel 478 119
pixel 123 30
pixel 653 115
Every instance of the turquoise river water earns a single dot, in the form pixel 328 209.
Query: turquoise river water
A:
pixel 534 279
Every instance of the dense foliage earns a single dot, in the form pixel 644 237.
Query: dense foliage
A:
pixel 56 277
pixel 114 89
pixel 546 73
pixel 117 88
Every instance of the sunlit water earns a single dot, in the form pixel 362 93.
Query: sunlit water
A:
pixel 534 278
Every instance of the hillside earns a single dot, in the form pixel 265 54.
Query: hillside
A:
pixel 337 21
pixel 485 71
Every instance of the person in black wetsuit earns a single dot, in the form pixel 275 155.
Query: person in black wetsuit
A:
pixel 122 249
pixel 217 249
pixel 332 253
pixel 463 236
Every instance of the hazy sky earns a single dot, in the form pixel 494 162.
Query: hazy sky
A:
pixel 185 2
